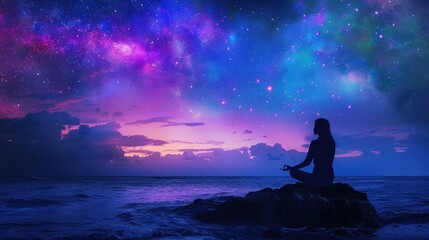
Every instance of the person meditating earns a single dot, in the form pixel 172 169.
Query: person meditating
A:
pixel 321 152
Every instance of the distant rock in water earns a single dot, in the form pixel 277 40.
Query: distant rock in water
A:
pixel 293 205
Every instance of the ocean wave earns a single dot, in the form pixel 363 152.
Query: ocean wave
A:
pixel 185 232
pixel 27 224
pixel 125 216
pixel 108 234
pixel 81 196
pixel 407 218
pixel 133 205
pixel 46 188
pixel 35 202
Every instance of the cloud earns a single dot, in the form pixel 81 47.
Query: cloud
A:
pixel 188 154
pixel 248 139
pixel 140 151
pixel 274 153
pixel 214 142
pixel 353 153
pixel 198 150
pixel 211 162
pixel 194 124
pixel 174 124
pixel 247 131
pixel 137 140
pixel 150 120
pixel 211 142
pixel 91 120
pixel 34 145
pixel 382 153
pixel 356 155
pixel 165 120
pixel 107 134
pixel 38 126
pixel 215 162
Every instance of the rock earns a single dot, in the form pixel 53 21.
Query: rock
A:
pixel 273 233
pixel 293 205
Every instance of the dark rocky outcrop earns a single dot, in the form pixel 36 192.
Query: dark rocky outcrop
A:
pixel 293 205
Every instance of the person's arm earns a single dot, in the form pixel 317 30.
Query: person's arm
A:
pixel 307 160
pixel 304 163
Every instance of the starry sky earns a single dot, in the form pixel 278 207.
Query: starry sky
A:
pixel 211 87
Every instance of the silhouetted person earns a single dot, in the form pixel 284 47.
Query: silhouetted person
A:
pixel 321 152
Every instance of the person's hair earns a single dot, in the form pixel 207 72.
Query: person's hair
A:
pixel 324 128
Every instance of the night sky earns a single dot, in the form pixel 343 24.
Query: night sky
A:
pixel 211 87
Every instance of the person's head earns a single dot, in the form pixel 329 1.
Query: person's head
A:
pixel 322 127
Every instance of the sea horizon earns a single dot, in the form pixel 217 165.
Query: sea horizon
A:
pixel 179 176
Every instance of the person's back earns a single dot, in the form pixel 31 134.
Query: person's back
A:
pixel 324 152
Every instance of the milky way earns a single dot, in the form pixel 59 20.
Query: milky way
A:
pixel 242 72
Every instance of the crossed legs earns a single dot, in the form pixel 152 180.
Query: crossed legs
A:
pixel 309 178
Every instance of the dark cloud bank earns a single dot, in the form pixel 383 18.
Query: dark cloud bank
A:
pixel 34 145
pixel 39 145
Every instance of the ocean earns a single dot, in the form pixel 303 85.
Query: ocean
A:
pixel 144 207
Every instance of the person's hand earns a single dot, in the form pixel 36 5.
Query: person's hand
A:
pixel 286 168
